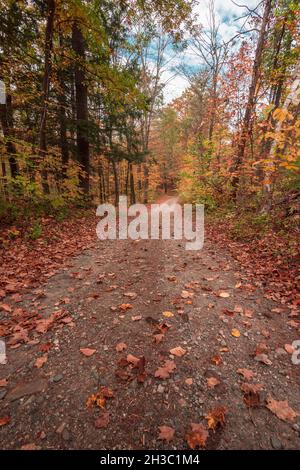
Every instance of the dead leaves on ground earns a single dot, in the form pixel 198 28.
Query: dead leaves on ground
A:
pixel 246 373
pixel 102 421
pixel 166 370
pixel 178 351
pixel 216 417
pixel 121 347
pixel 166 433
pixel 99 399
pixel 131 367
pixel 197 436
pixel 4 420
pixel 87 352
pixel 41 361
pixel 281 409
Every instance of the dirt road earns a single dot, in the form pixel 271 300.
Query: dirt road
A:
pixel 153 296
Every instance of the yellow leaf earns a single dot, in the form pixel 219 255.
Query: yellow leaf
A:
pixel 168 314
pixel 235 333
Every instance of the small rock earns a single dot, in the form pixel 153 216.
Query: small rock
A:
pixel 57 378
pixel 2 394
pixel 296 427
pixel 160 389
pixel 276 443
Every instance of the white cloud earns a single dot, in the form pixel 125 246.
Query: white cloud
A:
pixel 227 14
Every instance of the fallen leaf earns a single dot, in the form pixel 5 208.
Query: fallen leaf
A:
pixel 4 420
pixel 264 359
pixel 289 348
pixel 136 318
pixel 281 409
pixel 158 338
pixel 121 347
pixel 212 382
pixel 224 294
pixel 99 398
pixel 168 314
pixel 3 382
pixel 132 359
pixel 41 361
pixel 165 371
pixel 125 307
pixel 166 433
pixel 216 417
pixel 31 446
pixel 131 295
pixel 179 351
pixel 251 394
pixel 235 333
pixel 189 381
pixel 186 294
pixel 102 421
pixel 216 360
pixel 246 373
pixel 6 308
pixel 197 436
pixel 87 351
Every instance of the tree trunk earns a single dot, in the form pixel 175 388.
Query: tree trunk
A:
pixel 6 119
pixel 46 84
pixel 81 99
pixel 132 190
pixel 251 98
pixel 64 147
pixel 116 180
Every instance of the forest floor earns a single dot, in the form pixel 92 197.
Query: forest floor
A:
pixel 88 350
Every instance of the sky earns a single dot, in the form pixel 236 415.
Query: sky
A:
pixel 226 13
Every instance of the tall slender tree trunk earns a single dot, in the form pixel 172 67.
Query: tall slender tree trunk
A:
pixel 64 147
pixel 116 180
pixel 6 119
pixel 132 189
pixel 81 99
pixel 251 98
pixel 48 47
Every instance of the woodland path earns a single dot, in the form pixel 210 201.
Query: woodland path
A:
pixel 221 321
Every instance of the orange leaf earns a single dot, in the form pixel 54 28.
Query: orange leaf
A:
pixel 87 351
pixel 166 433
pixel 197 436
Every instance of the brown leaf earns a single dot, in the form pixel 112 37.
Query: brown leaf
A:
pixel 189 381
pixel 289 348
pixel 212 382
pixel 4 420
pixel 216 360
pixel 31 446
pixel 158 338
pixel 251 394
pixel 197 436
pixel 3 382
pixel 6 308
pixel 166 433
pixel 178 351
pixel 264 359
pixel 165 371
pixel 132 359
pixel 281 409
pixel 102 421
pixel 216 417
pixel 87 351
pixel 125 307
pixel 41 361
pixel 121 347
pixel 246 373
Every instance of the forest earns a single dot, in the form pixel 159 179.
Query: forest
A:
pixel 196 101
